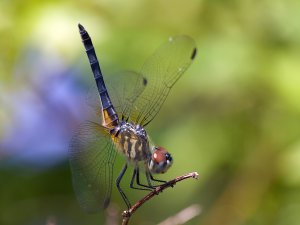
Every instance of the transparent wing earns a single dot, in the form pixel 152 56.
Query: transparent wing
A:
pixel 124 88
pixel 123 91
pixel 138 97
pixel 91 158
pixel 159 73
pixel 93 101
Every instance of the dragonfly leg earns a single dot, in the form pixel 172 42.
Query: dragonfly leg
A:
pixel 136 175
pixel 152 178
pixel 119 188
pixel 150 186
pixel 148 179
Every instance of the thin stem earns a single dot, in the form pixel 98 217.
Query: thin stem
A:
pixel 183 216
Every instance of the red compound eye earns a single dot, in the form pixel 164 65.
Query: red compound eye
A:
pixel 160 161
pixel 159 155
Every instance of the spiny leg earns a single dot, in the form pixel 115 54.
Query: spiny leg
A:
pixel 152 178
pixel 149 186
pixel 119 188
pixel 136 175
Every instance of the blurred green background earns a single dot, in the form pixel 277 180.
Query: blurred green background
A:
pixel 234 117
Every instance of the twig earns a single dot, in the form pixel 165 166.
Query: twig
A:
pixel 51 220
pixel 128 213
pixel 183 216
pixel 112 214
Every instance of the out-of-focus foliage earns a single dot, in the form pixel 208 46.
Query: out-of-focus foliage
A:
pixel 234 117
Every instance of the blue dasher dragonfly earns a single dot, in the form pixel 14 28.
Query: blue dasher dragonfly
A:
pixel 140 96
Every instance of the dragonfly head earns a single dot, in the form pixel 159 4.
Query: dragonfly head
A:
pixel 160 161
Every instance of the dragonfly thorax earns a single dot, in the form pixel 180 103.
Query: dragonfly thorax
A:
pixel 132 141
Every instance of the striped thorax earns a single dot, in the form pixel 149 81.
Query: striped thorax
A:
pixel 132 141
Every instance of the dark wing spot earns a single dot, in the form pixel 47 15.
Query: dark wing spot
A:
pixel 145 81
pixel 194 53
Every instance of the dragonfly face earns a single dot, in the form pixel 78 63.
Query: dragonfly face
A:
pixel 128 104
pixel 161 160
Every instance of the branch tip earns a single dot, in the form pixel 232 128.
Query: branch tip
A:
pixel 128 213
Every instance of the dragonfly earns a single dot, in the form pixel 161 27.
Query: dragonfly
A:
pixel 140 96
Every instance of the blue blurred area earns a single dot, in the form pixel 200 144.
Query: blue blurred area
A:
pixel 43 107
